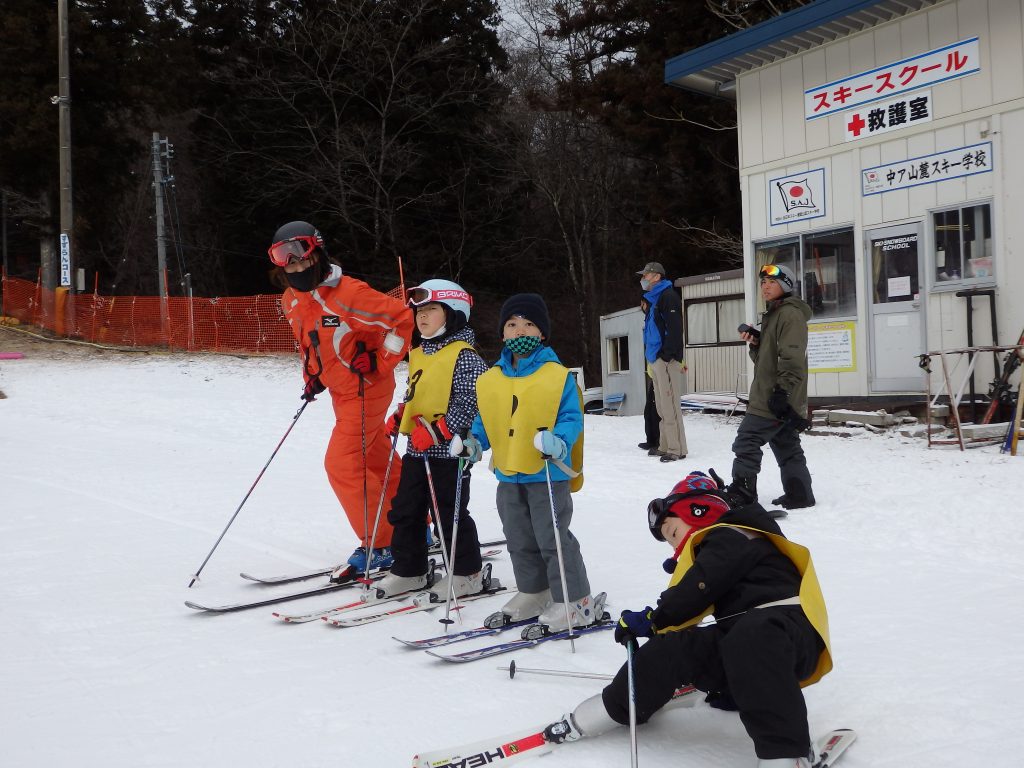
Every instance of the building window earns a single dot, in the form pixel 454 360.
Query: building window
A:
pixel 825 269
pixel 713 321
pixel 618 354
pixel 963 245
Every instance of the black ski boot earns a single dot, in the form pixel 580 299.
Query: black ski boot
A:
pixel 796 496
pixel 742 490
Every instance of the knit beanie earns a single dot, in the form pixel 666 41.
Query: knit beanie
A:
pixel 528 305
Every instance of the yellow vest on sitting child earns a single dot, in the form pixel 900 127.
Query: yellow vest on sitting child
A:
pixel 811 600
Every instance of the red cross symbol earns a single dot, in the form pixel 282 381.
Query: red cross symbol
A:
pixel 856 124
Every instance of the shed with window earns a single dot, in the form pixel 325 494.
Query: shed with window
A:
pixel 713 308
pixel 622 360
pixel 881 148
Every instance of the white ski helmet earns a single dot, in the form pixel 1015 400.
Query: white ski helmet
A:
pixel 452 295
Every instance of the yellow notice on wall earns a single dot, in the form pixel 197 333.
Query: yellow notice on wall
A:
pixel 831 347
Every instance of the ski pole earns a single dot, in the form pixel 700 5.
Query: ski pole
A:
pixel 455 535
pixel 380 502
pixel 295 418
pixel 437 517
pixel 360 349
pixel 558 550
pixel 512 669
pixel 630 649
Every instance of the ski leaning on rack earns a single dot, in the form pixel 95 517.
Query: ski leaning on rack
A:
pixel 321 590
pixel 488 553
pixel 516 746
pixel 999 390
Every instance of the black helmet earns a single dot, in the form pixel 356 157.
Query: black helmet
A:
pixel 294 229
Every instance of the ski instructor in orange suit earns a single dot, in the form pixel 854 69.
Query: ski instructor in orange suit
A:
pixel 351 337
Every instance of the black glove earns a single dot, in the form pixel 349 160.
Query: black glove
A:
pixel 313 388
pixel 634 624
pixel 778 403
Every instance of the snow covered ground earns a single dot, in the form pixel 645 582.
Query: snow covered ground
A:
pixel 118 472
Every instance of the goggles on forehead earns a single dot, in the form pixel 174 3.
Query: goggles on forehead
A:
pixel 770 270
pixel 419 296
pixel 295 249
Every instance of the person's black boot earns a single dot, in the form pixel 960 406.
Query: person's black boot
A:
pixel 742 489
pixel 796 496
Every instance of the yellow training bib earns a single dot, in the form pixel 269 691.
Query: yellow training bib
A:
pixel 430 383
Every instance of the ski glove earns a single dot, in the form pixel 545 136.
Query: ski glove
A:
pixel 550 445
pixel 363 362
pixel 633 625
pixel 427 434
pixel 468 449
pixel 395 421
pixel 778 403
pixel 313 388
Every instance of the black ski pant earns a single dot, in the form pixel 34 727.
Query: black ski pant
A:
pixel 408 516
pixel 652 421
pixel 753 433
pixel 759 660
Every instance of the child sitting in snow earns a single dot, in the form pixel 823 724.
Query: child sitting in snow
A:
pixel 531 417
pixel 770 637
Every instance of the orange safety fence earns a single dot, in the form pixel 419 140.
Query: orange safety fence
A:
pixel 253 324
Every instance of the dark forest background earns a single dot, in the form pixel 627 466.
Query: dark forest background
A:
pixel 527 145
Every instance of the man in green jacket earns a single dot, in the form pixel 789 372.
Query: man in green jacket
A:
pixel 777 409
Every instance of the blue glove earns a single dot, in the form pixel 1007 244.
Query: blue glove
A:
pixel 550 445
pixel 634 624
pixel 466 448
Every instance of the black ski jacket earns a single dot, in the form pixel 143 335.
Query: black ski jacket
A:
pixel 731 571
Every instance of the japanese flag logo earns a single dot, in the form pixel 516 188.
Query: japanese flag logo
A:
pixel 795 194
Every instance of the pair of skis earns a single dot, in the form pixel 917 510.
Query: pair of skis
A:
pixel 530 637
pixel 350 578
pixel 531 743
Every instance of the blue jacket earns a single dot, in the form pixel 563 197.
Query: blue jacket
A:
pixel 568 423
pixel 663 326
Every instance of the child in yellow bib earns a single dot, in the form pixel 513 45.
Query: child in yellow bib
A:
pixel 769 639
pixel 531 418
pixel 440 401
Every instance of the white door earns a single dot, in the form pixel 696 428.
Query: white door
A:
pixel 896 318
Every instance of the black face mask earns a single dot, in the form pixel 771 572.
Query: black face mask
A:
pixel 306 280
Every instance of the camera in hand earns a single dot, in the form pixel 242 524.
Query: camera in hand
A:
pixel 744 328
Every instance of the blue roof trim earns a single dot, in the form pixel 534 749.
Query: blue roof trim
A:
pixel 770 31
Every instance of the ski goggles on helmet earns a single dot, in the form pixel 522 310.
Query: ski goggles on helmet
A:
pixel 659 509
pixel 711 508
pixel 419 296
pixel 294 249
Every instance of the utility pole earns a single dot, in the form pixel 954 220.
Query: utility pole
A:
pixel 63 101
pixel 3 237
pixel 161 237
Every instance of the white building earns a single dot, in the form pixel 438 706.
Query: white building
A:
pixel 881 149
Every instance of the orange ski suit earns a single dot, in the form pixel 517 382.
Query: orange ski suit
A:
pixel 347 313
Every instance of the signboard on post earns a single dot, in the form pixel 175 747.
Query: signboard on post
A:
pixel 65 260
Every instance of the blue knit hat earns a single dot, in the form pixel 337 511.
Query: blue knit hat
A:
pixel 528 305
